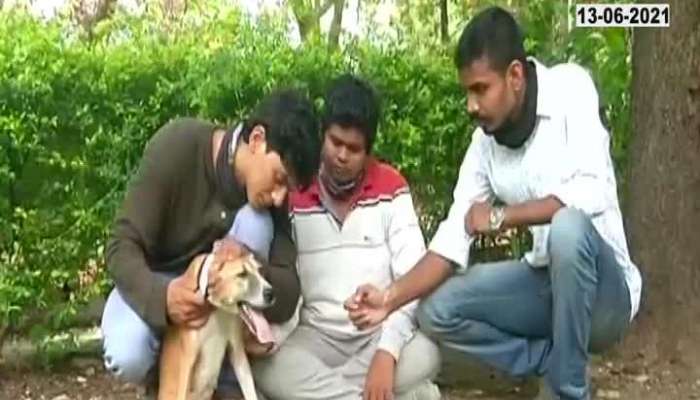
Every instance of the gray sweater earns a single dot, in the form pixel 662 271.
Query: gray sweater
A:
pixel 173 211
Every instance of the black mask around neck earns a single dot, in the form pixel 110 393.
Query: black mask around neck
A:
pixel 337 189
pixel 514 133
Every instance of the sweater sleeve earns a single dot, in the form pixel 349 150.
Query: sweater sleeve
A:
pixel 140 221
pixel 281 271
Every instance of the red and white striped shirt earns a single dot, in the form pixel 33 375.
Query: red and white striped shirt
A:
pixel 379 241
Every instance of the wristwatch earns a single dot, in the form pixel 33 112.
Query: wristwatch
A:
pixel 496 218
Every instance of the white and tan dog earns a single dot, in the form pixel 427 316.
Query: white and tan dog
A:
pixel 191 358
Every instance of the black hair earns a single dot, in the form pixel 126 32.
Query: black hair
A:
pixel 352 102
pixel 291 130
pixel 493 33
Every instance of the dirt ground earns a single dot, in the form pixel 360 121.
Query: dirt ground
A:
pixel 85 379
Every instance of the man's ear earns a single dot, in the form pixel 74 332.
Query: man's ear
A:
pixel 516 75
pixel 257 140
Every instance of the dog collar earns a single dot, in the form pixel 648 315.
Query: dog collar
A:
pixel 203 278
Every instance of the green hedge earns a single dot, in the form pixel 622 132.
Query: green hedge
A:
pixel 75 115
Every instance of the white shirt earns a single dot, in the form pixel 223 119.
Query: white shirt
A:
pixel 567 155
pixel 379 241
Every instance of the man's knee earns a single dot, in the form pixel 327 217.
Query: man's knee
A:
pixel 279 376
pixel 130 348
pixel 569 231
pixel 573 247
pixel 129 365
pixel 131 355
pixel 457 300
pixel 434 316
pixel 418 364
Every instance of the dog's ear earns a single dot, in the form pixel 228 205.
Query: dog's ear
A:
pixel 199 259
pixel 251 261
pixel 228 249
pixel 220 258
pixel 196 264
pixel 217 262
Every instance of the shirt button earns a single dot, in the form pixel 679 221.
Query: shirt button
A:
pixel 223 215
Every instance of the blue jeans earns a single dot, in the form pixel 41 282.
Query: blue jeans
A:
pixel 131 347
pixel 543 321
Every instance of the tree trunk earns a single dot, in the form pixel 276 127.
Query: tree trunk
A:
pixel 405 19
pixel 173 10
pixel 16 164
pixel 304 26
pixel 308 16
pixel 336 24
pixel 663 195
pixel 444 22
pixel 87 13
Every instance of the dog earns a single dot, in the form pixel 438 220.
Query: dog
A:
pixel 191 358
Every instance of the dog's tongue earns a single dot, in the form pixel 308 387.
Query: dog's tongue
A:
pixel 257 324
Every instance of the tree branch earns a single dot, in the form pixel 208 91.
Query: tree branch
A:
pixel 324 8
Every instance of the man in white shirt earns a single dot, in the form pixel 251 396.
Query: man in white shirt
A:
pixel 354 224
pixel 541 150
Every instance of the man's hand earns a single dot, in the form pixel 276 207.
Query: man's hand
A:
pixel 367 307
pixel 184 305
pixel 477 219
pixel 253 347
pixel 379 384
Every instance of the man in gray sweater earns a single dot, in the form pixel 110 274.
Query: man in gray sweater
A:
pixel 193 180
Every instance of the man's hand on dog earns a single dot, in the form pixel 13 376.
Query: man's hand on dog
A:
pixel 184 305
pixel 379 384
pixel 368 307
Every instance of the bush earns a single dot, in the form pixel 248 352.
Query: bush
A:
pixel 75 115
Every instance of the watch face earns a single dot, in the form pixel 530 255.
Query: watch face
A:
pixel 496 218
pixel 493 219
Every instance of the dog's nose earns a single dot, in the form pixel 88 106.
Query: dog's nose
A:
pixel 269 295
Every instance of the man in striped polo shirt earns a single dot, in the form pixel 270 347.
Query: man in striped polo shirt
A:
pixel 355 223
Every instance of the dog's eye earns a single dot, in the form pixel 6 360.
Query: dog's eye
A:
pixel 242 274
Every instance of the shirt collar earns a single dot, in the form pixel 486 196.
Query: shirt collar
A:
pixel 545 106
